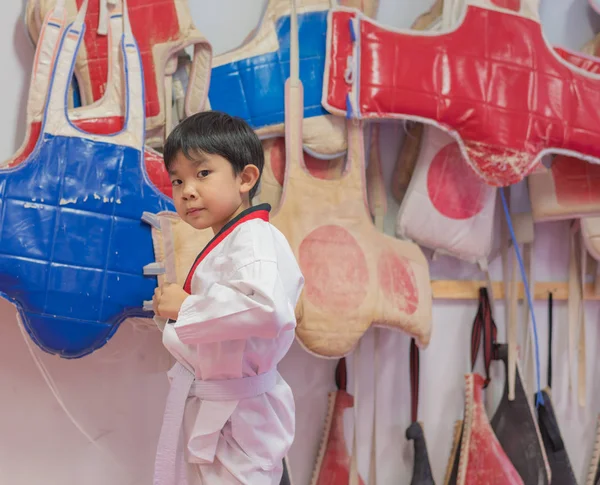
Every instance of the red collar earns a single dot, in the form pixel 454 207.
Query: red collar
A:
pixel 260 211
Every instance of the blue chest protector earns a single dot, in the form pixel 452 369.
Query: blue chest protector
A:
pixel 253 88
pixel 72 243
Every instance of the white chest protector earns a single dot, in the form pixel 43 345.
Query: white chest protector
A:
pixel 447 207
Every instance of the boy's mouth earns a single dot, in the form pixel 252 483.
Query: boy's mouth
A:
pixel 194 210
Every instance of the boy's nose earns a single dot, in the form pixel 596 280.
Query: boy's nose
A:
pixel 190 192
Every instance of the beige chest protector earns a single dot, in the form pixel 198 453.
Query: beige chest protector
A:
pixel 447 207
pixel 160 42
pixel 176 246
pixel 355 276
pixel 590 231
pixel 590 226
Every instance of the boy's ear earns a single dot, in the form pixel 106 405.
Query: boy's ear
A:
pixel 249 177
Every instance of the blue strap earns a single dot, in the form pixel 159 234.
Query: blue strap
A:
pixel 539 398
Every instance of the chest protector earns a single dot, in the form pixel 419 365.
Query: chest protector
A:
pixel 477 456
pixel 507 99
pixel 72 248
pixel 447 207
pixel 249 81
pixel 271 185
pixel 159 42
pixel 333 466
pixel 355 275
pixel 104 116
pixel 590 225
pixel 569 189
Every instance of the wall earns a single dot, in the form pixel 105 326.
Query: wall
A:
pixel 117 394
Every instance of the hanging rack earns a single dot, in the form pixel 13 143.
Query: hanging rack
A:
pixel 469 290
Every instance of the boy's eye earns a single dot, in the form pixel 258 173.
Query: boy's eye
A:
pixel 203 173
pixel 175 182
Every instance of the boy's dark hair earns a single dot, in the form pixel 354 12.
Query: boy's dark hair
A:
pixel 217 133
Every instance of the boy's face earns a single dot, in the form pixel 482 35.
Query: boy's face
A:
pixel 206 191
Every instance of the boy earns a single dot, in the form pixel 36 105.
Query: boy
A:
pixel 230 416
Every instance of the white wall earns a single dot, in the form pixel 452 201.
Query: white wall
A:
pixel 117 394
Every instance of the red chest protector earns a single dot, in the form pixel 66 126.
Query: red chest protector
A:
pixel 492 82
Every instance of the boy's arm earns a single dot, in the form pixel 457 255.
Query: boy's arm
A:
pixel 253 303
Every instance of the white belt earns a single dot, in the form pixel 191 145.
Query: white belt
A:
pixel 183 384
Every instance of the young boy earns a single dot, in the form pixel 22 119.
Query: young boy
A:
pixel 230 416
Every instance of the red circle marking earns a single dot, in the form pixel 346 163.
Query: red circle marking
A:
pixel 453 188
pixel 320 169
pixel 398 282
pixel 335 269
pixel 508 4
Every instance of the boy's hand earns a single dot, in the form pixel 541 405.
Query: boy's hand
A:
pixel 168 299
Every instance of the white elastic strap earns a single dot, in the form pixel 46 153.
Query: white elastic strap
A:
pixel 511 331
pixel 506 281
pixel 70 97
pixel 181 82
pixel 59 8
pixel 354 477
pixel 168 80
pixel 379 209
pixel 509 277
pixel 55 392
pixel 581 354
pixel 376 193
pixel 573 300
pixel 523 226
pixel 373 456
pixel 528 360
pixel 446 20
pixel 103 18
pixel 597 278
pixel 450 13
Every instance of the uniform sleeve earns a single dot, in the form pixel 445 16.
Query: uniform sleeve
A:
pixel 253 303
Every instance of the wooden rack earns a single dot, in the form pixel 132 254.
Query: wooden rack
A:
pixel 469 290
